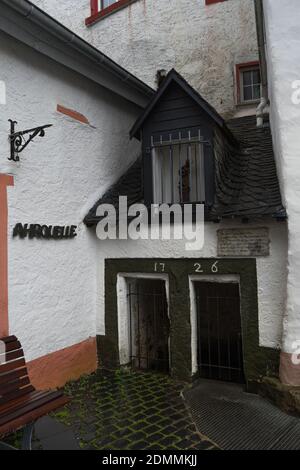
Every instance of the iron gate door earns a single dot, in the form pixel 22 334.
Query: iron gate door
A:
pixel 220 350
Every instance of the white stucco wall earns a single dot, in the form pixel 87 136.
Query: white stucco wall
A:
pixel 271 271
pixel 56 288
pixel 53 284
pixel 283 50
pixel 202 42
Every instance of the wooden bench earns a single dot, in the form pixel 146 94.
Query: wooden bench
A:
pixel 20 403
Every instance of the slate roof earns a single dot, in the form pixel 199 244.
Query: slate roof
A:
pixel 245 176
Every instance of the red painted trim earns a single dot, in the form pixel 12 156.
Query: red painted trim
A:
pixel 73 114
pixel 238 69
pixel 5 180
pixel 107 11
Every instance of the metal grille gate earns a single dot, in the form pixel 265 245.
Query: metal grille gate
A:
pixel 149 325
pixel 220 350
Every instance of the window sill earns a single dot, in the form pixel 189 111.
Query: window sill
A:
pixel 108 11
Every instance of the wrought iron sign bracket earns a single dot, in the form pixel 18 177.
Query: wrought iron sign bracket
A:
pixel 20 140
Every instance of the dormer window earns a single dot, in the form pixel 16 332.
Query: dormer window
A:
pixel 178 167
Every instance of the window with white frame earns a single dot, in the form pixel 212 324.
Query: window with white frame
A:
pixel 178 168
pixel 249 83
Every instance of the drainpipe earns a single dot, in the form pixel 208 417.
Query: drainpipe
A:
pixel 261 39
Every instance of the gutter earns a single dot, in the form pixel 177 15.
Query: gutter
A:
pixel 261 39
pixel 34 14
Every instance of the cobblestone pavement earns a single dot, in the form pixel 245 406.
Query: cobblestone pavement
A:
pixel 130 410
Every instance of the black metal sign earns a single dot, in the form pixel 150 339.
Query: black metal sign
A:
pixel 45 231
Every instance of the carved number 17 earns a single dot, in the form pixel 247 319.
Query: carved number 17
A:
pixel 159 267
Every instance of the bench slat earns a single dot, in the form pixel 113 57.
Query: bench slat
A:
pixel 9 339
pixel 10 356
pixel 32 405
pixel 13 346
pixel 20 403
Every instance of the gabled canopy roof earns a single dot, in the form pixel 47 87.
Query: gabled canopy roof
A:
pixel 172 77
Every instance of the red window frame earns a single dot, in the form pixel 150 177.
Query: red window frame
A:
pixel 238 70
pixel 97 14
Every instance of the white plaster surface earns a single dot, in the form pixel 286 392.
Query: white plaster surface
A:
pixel 202 42
pixel 53 284
pixel 283 46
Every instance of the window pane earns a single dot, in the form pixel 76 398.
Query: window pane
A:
pixel 247 78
